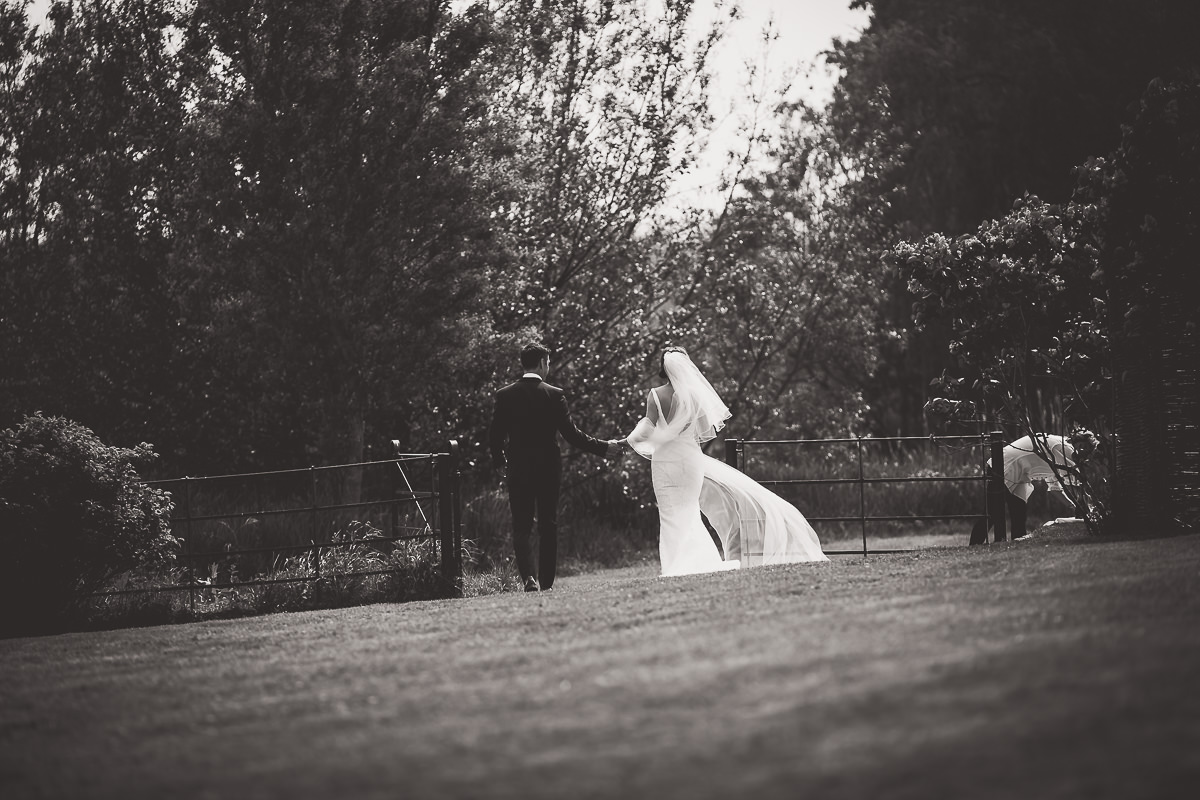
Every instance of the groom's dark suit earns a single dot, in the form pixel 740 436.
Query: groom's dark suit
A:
pixel 529 415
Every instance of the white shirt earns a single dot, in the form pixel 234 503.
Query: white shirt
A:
pixel 532 375
pixel 1023 466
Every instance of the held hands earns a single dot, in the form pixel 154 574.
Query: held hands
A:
pixel 614 449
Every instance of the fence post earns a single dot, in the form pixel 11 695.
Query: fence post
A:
pixel 187 495
pixel 996 488
pixel 314 554
pixel 456 517
pixel 731 452
pixel 862 495
pixel 447 516
pixel 394 508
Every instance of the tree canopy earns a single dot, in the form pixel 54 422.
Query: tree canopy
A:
pixel 268 234
pixel 974 104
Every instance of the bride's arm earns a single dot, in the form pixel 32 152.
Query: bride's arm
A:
pixel 651 408
pixel 639 439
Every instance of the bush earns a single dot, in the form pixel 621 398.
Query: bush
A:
pixel 1027 314
pixel 73 514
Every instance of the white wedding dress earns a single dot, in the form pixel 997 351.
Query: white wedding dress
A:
pixel 755 525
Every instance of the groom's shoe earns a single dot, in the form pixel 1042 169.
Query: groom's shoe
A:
pixel 531 585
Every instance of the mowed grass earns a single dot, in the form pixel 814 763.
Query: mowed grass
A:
pixel 1056 667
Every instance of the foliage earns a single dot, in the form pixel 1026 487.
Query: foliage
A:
pixel 1034 298
pixel 331 237
pixel 974 103
pixel 789 300
pixel 1026 313
pixel 73 513
pixel 1152 185
pixel 992 100
pixel 1009 290
pixel 89 133
pixel 275 233
pixel 771 294
pixel 248 227
pixel 603 101
pixel 358 566
pixel 410 568
pixel 600 105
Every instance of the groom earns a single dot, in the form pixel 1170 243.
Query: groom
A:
pixel 530 414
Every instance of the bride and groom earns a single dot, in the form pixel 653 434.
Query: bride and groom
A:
pixel 754 525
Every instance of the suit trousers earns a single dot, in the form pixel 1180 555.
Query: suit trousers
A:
pixel 533 492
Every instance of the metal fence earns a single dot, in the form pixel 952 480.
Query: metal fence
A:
pixel 238 529
pixel 990 497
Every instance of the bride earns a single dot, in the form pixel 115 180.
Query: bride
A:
pixel 755 526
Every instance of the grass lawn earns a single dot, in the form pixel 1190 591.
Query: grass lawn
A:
pixel 1056 667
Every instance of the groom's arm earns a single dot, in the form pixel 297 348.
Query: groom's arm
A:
pixel 497 433
pixel 574 436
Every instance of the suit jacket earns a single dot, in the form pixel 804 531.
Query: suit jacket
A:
pixel 529 415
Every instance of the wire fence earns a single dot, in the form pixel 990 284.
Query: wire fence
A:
pixel 779 464
pixel 290 526
pixel 313 525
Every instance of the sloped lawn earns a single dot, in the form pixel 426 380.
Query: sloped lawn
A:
pixel 1055 667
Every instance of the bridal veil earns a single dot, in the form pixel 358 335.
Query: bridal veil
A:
pixel 754 524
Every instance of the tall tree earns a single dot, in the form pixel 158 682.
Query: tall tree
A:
pixel 1153 187
pixel 771 294
pixel 790 299
pixel 332 237
pixel 991 100
pixel 605 100
pixel 92 109
pixel 978 102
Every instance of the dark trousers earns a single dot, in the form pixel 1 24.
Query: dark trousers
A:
pixel 533 491
pixel 1016 508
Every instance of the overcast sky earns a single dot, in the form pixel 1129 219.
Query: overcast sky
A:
pixel 804 29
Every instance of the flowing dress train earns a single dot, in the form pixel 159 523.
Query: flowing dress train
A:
pixel 755 526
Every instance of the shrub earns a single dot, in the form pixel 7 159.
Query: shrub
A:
pixel 1027 316
pixel 73 514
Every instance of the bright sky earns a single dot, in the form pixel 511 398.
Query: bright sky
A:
pixel 804 29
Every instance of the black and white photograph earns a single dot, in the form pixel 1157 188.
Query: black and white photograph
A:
pixel 589 399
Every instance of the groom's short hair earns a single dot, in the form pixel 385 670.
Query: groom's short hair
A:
pixel 532 354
